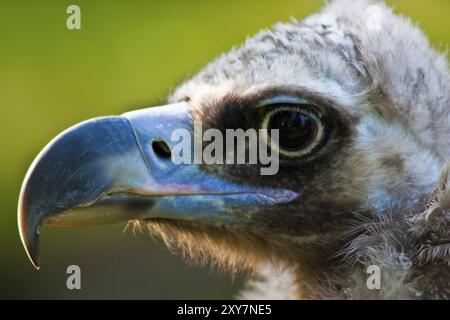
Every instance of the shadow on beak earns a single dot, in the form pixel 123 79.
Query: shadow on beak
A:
pixel 119 168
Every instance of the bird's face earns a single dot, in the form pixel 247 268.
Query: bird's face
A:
pixel 343 149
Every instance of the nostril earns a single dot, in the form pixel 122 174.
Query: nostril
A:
pixel 161 149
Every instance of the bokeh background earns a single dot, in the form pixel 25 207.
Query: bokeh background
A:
pixel 128 55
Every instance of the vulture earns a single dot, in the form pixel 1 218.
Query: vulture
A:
pixel 361 104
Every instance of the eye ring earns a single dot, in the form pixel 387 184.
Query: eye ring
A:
pixel 307 129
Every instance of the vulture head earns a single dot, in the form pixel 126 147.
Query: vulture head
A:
pixel 360 104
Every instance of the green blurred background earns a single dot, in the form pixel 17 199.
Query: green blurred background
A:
pixel 128 55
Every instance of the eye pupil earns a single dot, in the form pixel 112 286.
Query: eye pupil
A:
pixel 296 129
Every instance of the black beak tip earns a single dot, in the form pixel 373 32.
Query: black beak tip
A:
pixel 29 234
pixel 33 254
pixel 32 249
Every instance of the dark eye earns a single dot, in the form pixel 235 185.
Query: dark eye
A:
pixel 300 130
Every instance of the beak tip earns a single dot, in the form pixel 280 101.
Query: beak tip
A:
pixel 34 258
pixel 29 226
pixel 36 264
pixel 32 250
pixel 33 255
pixel 30 241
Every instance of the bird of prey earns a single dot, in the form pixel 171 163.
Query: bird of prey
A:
pixel 362 104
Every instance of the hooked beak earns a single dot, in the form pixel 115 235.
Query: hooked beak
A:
pixel 119 168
